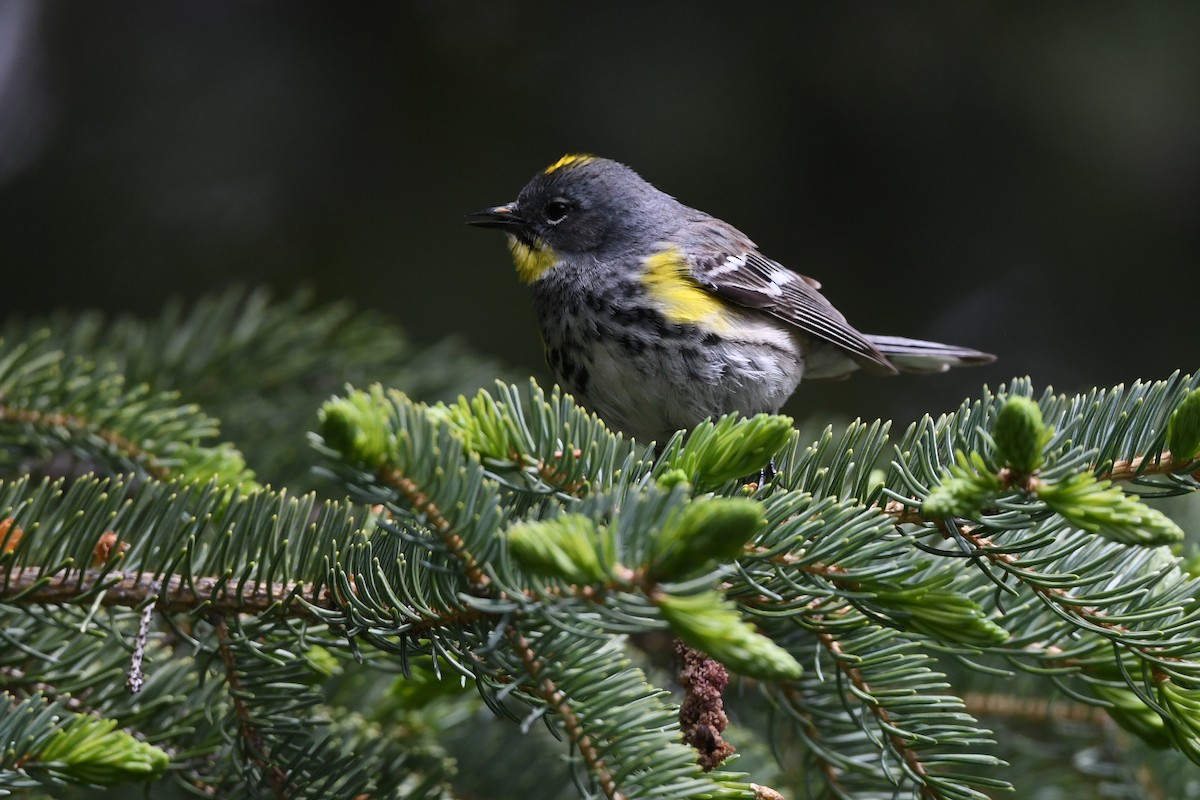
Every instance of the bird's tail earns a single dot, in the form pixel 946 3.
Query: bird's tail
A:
pixel 914 355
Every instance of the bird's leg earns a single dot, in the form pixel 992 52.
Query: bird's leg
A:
pixel 767 473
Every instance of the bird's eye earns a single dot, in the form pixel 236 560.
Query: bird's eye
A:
pixel 557 210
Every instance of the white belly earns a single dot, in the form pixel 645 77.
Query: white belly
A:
pixel 651 394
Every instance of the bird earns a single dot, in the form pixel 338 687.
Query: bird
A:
pixel 657 316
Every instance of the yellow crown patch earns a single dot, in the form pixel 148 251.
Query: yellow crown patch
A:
pixel 570 160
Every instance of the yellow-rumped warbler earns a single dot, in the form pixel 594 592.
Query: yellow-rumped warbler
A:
pixel 657 316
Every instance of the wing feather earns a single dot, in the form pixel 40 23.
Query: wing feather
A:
pixel 732 268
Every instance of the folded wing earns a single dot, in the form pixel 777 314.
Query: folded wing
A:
pixel 730 267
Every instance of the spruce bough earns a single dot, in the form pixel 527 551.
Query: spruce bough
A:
pixel 506 553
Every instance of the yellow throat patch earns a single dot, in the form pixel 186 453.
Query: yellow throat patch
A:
pixel 531 262
pixel 681 300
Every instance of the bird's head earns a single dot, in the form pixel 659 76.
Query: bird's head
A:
pixel 580 205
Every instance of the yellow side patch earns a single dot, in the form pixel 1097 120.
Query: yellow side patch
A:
pixel 669 283
pixel 531 262
pixel 570 159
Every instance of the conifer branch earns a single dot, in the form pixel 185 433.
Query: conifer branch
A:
pixel 177 593
pixel 555 699
pixel 1061 600
pixel 18 683
pixel 765 792
pixel 886 724
pixel 422 504
pixel 524 540
pixel 813 732
pixel 1032 709
pixel 903 514
pixel 252 741
pixel 78 426
pixel 554 475
pixel 832 572
pixel 1122 470
pixel 1161 464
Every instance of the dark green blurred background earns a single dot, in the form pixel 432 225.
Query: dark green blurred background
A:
pixel 1024 178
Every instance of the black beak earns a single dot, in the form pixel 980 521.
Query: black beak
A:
pixel 504 216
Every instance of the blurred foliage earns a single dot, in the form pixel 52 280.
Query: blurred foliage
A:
pixel 290 353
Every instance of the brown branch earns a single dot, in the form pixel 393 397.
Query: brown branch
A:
pixel 553 697
pixel 529 465
pixel 552 475
pixel 831 571
pixel 549 472
pixel 175 595
pixel 834 647
pixel 1032 709
pixel 256 748
pixel 130 590
pixel 1124 470
pixel 903 514
pixel 79 425
pixel 421 503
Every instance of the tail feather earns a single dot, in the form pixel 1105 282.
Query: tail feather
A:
pixel 914 355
